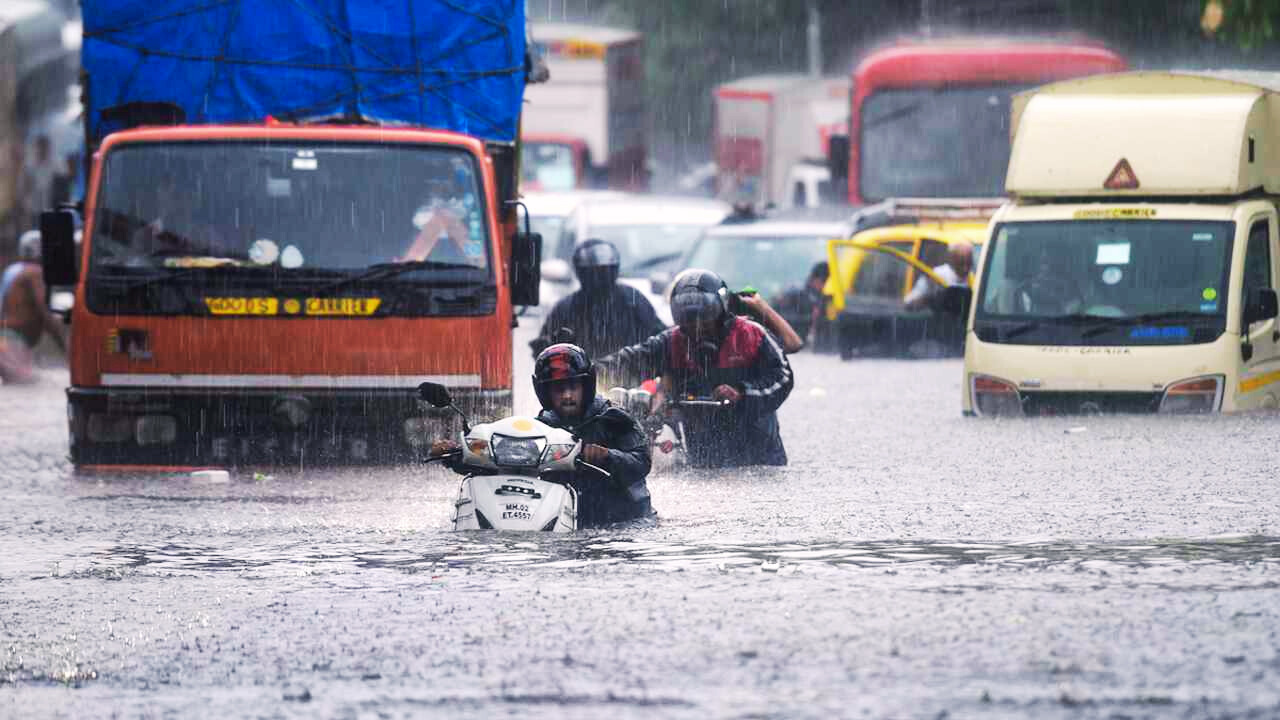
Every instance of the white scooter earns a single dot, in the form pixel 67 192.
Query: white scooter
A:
pixel 506 463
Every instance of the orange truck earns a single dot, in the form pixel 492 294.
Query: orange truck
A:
pixel 290 224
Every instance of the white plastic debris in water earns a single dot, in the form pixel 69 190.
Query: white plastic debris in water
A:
pixel 817 392
pixel 213 477
pixel 1076 429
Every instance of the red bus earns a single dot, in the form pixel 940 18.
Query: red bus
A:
pixel 930 117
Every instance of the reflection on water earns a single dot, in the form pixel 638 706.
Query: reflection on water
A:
pixel 487 549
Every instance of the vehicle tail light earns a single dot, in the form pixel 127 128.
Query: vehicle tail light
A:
pixel 995 397
pixel 1194 395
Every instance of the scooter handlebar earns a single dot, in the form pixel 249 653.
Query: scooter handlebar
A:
pixel 579 462
pixel 697 402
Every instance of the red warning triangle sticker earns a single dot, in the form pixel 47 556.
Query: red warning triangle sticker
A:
pixel 1121 177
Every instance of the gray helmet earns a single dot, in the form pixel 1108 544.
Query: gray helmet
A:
pixel 596 263
pixel 698 295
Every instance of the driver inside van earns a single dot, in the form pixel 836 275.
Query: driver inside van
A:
pixel 1050 290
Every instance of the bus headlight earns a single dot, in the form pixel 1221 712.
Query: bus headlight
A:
pixel 994 397
pixel 1193 395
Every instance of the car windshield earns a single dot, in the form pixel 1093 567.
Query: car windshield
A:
pixel 1106 282
pixel 548 166
pixel 769 264
pixel 935 142
pixel 642 246
pixel 290 205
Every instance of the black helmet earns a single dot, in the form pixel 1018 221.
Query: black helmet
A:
pixel 563 361
pixel 596 264
pixel 698 295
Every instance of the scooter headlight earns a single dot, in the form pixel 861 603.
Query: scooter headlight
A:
pixel 520 452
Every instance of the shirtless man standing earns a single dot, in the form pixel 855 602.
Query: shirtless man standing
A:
pixel 24 317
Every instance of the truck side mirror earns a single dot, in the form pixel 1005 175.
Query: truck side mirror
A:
pixel 1260 305
pixel 526 269
pixel 838 156
pixel 58 247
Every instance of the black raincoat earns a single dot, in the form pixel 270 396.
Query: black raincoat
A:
pixel 750 360
pixel 624 496
pixel 601 322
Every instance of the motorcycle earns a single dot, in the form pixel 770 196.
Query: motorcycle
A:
pixel 509 467
pixel 664 426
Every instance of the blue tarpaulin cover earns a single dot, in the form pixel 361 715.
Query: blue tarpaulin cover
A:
pixel 446 64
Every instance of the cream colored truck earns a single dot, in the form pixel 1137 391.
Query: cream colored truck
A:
pixel 1134 267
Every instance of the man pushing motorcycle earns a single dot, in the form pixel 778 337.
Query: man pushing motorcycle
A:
pixel 564 379
pixel 713 353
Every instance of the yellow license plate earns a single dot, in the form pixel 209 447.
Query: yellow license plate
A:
pixel 242 305
pixel 342 306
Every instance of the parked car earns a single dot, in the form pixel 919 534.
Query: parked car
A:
pixel 772 255
pixel 873 272
pixel 547 213
pixel 651 233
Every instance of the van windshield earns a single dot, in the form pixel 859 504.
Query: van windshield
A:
pixel 1105 282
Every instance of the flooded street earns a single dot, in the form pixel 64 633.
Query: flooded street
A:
pixel 908 563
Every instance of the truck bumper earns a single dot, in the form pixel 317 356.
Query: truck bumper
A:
pixel 263 427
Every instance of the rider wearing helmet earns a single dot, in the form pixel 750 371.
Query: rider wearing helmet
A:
pixel 713 352
pixel 603 314
pixel 564 379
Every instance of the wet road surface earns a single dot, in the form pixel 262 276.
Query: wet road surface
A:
pixel 908 563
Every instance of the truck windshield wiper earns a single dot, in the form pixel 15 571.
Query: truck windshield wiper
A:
pixel 382 271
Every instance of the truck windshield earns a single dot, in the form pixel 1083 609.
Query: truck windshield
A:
pixel 299 208
pixel 935 142
pixel 1105 282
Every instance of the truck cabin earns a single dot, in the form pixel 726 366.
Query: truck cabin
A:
pixel 930 118
pixel 1142 226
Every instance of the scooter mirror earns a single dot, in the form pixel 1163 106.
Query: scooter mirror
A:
pixel 436 394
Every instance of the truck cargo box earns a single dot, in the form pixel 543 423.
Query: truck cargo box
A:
pixel 1148 134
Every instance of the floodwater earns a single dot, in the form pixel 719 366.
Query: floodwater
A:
pixel 908 563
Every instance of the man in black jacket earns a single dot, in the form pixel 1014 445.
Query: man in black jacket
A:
pixel 564 379
pixel 712 352
pixel 603 314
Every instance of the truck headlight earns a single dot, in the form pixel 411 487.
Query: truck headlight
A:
pixel 109 428
pixel 156 430
pixel 1193 395
pixel 992 396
